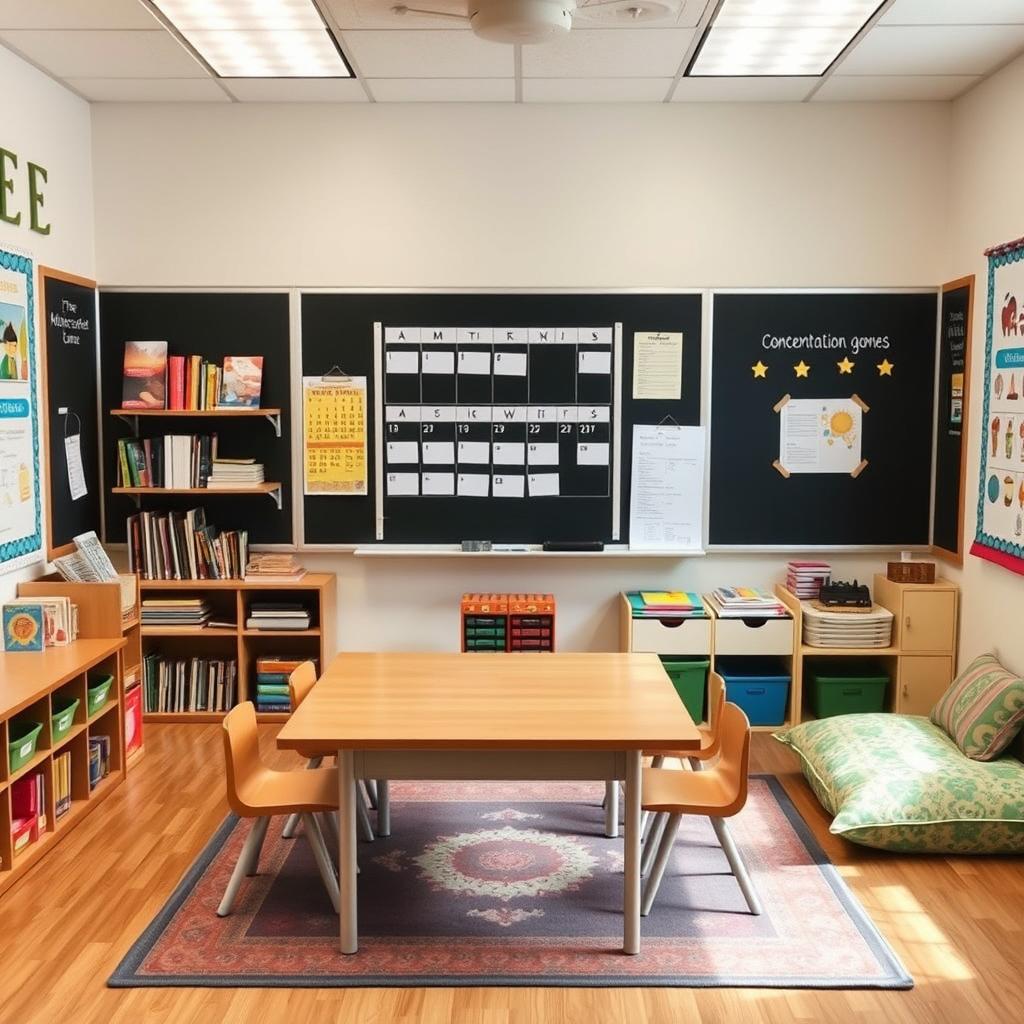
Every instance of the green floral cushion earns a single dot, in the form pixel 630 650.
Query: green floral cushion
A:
pixel 983 709
pixel 898 782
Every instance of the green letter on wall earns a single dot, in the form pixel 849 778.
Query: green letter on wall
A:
pixel 35 198
pixel 7 185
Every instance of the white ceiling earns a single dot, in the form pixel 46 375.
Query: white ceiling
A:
pixel 116 51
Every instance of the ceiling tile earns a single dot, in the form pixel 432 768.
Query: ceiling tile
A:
pixel 871 88
pixel 933 50
pixel 149 90
pixel 112 54
pixel 296 90
pixel 602 53
pixel 652 13
pixel 742 90
pixel 69 14
pixel 954 12
pixel 443 90
pixel 442 54
pixel 595 90
pixel 377 14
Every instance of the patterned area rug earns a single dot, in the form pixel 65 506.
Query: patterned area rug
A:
pixel 515 884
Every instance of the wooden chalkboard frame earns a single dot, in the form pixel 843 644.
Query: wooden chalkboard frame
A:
pixel 954 557
pixel 54 550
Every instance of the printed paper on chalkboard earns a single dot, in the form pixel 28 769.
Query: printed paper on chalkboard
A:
pixel 820 435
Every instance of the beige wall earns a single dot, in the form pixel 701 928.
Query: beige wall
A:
pixel 987 208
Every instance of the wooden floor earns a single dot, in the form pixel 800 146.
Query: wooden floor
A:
pixel 958 924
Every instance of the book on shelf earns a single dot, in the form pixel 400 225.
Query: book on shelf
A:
pixel 99 759
pixel 59 625
pixel 28 800
pixel 179 685
pixel 144 375
pixel 804 579
pixel 88 563
pixel 24 626
pixel 182 546
pixel 62 783
pixel 168 461
pixel 746 603
pixel 277 615
pixel 242 382
pixel 273 568
pixel 665 604
pixel 281 665
pixel 235 473
pixel 188 611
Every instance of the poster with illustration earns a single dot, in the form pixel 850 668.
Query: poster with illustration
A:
pixel 20 518
pixel 820 435
pixel 1000 532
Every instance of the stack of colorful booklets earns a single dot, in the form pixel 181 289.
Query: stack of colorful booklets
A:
pixel 746 603
pixel 804 579
pixel 181 546
pixel 272 672
pixel 665 604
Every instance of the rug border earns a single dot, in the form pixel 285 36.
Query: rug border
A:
pixel 124 975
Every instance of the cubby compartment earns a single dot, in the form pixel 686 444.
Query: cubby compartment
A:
pixel 28 738
pixel 251 602
pixel 761 686
pixel 846 686
pixel 68 710
pixel 222 604
pixel 105 733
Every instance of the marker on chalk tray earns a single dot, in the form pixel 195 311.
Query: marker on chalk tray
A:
pixel 573 545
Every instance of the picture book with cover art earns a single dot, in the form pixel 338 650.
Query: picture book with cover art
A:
pixel 144 380
pixel 242 382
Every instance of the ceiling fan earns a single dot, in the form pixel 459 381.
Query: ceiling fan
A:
pixel 538 21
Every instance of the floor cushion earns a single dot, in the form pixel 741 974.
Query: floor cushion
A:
pixel 898 782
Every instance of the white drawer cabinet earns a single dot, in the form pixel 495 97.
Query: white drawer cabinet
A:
pixel 754 636
pixel 671 636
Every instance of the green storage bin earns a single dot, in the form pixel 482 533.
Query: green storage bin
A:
pixel 97 690
pixel 690 677
pixel 21 747
pixel 855 689
pixel 63 716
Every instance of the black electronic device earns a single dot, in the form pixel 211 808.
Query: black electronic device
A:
pixel 837 594
pixel 573 545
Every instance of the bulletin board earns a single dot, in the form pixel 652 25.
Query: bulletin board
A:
pixel 467 351
pixel 821 419
pixel 70 385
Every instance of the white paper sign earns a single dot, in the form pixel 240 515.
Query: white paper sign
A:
pixel 475 362
pixel 544 453
pixel 439 362
pixel 543 485
pixel 438 453
pixel 438 483
pixel 592 454
pixel 510 454
pixel 510 364
pixel 475 452
pixel 76 471
pixel 403 362
pixel 667 493
pixel 657 365
pixel 474 485
pixel 595 362
pixel 403 451
pixel 403 484
pixel 509 486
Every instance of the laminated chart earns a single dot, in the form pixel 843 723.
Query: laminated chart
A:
pixel 496 412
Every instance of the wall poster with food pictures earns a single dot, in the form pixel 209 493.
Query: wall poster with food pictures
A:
pixel 1000 532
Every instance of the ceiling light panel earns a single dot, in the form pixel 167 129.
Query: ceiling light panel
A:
pixel 779 37
pixel 258 38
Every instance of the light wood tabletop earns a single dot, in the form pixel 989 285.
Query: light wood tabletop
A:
pixel 491 701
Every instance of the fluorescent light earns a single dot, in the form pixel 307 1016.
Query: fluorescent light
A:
pixel 779 37
pixel 258 38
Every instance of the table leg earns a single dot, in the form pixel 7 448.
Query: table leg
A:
pixel 631 885
pixel 383 808
pixel 347 850
pixel 611 809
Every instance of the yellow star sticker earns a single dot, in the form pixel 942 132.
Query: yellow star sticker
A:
pixel 885 368
pixel 845 366
pixel 802 369
pixel 759 369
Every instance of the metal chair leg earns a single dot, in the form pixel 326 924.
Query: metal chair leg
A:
pixel 653 841
pixel 253 841
pixel 293 819
pixel 383 808
pixel 660 861
pixel 739 869
pixel 322 857
pixel 370 785
pixel 363 815
pixel 260 828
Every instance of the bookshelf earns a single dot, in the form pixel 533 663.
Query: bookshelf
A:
pixel 29 684
pixel 272 490
pixel 229 601
pixel 131 416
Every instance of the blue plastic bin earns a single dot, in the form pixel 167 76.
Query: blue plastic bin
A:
pixel 760 688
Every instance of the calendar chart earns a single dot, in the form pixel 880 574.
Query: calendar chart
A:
pixel 503 413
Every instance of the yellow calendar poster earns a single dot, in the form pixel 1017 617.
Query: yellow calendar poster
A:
pixel 334 435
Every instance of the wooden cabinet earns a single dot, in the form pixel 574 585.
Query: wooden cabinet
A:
pixel 921 680
pixel 925 614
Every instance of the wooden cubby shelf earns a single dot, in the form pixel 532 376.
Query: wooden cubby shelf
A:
pixel 269 488
pixel 131 416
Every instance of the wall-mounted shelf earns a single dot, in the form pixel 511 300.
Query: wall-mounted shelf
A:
pixel 271 489
pixel 131 416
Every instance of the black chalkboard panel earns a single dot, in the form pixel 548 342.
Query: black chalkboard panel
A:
pixel 886 344
pixel 338 329
pixel 953 393
pixel 69 383
pixel 213 325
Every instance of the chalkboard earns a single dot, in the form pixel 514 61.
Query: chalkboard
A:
pixel 69 387
pixel 338 329
pixel 821 418
pixel 953 397
pixel 213 325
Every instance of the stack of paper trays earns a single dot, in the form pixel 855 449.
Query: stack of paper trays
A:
pixel 746 603
pixel 665 604
pixel 805 578
pixel 847 629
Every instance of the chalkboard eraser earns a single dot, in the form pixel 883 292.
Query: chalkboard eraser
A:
pixel 476 545
pixel 573 545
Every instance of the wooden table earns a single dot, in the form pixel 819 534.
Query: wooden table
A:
pixel 496 717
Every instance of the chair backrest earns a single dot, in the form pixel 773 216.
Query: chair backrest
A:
pixel 734 762
pixel 241 755
pixel 716 701
pixel 301 683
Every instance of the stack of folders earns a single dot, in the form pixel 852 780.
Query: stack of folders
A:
pixel 746 603
pixel 272 674
pixel 804 579
pixel 171 611
pixel 99 759
pixel 62 782
pixel 178 685
pixel 277 615
pixel 665 604
pixel 235 474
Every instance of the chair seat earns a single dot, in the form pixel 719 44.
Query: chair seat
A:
pixel 271 792
pixel 701 793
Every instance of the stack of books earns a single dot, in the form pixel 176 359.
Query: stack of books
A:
pixel 181 546
pixel 62 783
pixel 665 604
pixel 273 568
pixel 56 618
pixel 171 461
pixel 746 603
pixel 235 474
pixel 804 579
pixel 88 563
pixel 277 615
pixel 175 611
pixel 28 809
pixel 177 685
pixel 272 674
pixel 154 380
pixel 99 759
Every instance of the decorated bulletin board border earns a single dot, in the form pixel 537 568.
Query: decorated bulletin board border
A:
pixel 996 539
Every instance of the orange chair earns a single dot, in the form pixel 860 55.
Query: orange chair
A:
pixel 300 686
pixel 718 793
pixel 255 791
